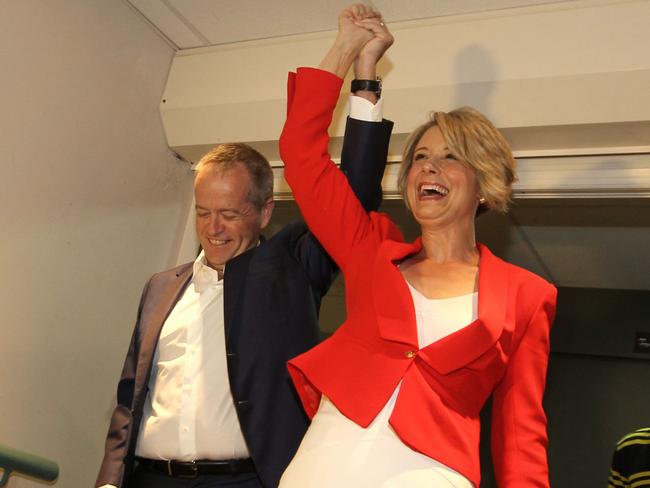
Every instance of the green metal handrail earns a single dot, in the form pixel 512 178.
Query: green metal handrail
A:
pixel 13 460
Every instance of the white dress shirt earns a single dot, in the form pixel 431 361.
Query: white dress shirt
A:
pixel 189 411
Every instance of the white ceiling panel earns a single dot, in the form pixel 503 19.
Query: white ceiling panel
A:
pixel 197 23
pixel 170 23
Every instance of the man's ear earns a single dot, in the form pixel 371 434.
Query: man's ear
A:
pixel 267 211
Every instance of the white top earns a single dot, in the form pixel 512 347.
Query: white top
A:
pixel 438 318
pixel 338 452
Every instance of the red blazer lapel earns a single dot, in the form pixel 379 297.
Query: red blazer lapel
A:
pixel 151 330
pixel 391 295
pixel 464 346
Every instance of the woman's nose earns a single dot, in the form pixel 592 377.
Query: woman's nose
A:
pixel 430 166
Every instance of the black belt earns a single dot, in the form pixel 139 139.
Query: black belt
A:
pixel 192 469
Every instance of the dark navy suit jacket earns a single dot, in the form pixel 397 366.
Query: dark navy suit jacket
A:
pixel 272 295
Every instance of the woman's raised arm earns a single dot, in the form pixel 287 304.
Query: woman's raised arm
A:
pixel 322 192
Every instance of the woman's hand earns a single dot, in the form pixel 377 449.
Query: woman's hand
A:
pixel 352 34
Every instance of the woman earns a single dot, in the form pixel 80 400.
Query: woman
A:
pixel 433 327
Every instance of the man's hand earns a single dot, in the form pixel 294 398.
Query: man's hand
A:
pixel 374 49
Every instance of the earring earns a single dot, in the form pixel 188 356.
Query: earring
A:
pixel 481 200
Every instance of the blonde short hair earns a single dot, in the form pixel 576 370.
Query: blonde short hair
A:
pixel 472 138
pixel 225 156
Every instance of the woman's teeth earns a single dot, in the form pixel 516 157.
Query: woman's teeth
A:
pixel 428 189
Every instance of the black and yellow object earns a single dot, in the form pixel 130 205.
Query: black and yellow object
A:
pixel 631 461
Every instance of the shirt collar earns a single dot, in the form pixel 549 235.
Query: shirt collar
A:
pixel 204 276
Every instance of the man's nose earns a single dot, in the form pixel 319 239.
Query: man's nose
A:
pixel 216 225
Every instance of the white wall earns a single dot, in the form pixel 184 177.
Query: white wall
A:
pixel 91 203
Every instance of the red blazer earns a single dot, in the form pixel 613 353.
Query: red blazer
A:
pixel 503 353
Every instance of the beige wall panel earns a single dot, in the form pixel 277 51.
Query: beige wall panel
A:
pixel 92 203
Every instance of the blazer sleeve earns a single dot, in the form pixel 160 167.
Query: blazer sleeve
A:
pixel 329 204
pixel 111 471
pixel 519 438
pixel 363 161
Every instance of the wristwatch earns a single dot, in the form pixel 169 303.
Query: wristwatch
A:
pixel 367 85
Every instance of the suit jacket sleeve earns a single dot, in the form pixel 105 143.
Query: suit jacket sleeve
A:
pixel 519 437
pixel 363 160
pixel 119 432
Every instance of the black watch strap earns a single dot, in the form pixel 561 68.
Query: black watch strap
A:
pixel 367 85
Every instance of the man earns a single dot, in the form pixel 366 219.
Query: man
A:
pixel 205 376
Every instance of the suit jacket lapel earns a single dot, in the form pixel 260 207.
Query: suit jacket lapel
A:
pixel 233 285
pixel 164 304
pixel 467 344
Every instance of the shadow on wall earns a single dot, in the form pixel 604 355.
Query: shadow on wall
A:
pixel 474 72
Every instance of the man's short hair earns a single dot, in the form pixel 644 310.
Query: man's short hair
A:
pixel 226 156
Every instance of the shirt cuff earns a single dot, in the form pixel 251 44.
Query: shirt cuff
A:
pixel 363 109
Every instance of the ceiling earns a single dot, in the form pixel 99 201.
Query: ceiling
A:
pixel 199 23
pixel 595 243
